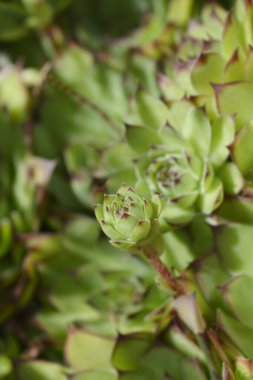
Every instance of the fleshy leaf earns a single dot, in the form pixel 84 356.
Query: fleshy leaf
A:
pixel 40 370
pixel 140 231
pixel 173 213
pixel 223 131
pixel 99 212
pixel 197 130
pixel 241 335
pixel 149 112
pixel 234 242
pixel 174 242
pixel 231 178
pixel 110 231
pixel 239 209
pixel 242 149
pixel 237 293
pixel 208 69
pixel 236 98
pixel 122 244
pixel 141 138
pixel 86 351
pixel 128 351
pixel 212 198
pixel 126 224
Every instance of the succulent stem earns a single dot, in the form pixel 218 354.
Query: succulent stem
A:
pixel 164 272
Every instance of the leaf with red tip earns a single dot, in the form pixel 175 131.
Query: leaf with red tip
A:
pixel 140 231
pixel 123 244
pixel 234 69
pixel 208 69
pixel 235 98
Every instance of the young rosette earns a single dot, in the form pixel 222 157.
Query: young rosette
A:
pixel 184 157
pixel 130 221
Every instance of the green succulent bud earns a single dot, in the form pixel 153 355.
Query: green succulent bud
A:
pixel 129 220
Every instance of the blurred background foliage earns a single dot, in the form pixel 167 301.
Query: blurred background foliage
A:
pixel 68 71
pixel 23 23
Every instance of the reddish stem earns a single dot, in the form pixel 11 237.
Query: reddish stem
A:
pixel 164 272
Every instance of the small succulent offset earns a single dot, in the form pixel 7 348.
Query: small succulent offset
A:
pixel 184 158
pixel 130 221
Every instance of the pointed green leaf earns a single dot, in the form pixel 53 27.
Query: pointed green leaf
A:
pixel 141 138
pixel 111 231
pixel 208 69
pixel 223 132
pixel 241 335
pixel 234 242
pixel 126 224
pixel 234 68
pixel 140 231
pixel 242 149
pixel 96 375
pixel 174 242
pixel 123 244
pixel 185 345
pixel 99 212
pixel 212 197
pixel 149 112
pixel 210 276
pixel 248 69
pixel 197 130
pixel 236 99
pixel 128 352
pixel 237 294
pixel 170 89
pixel 230 41
pixel 239 209
pixel 85 351
pixel 172 140
pixel 178 113
pixel 201 235
pixel 231 178
pixel 173 213
pixel 40 370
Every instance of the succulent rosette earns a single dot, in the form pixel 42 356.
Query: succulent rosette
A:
pixel 129 220
pixel 219 74
pixel 183 157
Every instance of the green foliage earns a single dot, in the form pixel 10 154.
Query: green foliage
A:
pixel 156 95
